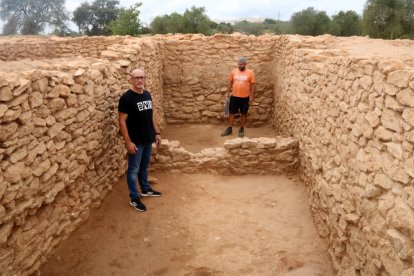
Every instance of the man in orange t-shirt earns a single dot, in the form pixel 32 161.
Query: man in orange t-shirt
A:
pixel 242 85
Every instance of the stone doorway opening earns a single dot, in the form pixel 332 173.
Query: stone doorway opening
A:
pixel 204 224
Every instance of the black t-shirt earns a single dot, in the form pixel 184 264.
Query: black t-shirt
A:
pixel 139 121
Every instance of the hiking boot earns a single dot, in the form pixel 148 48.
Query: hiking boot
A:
pixel 151 192
pixel 228 131
pixel 138 205
pixel 241 132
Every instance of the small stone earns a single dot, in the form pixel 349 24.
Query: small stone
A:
pixel 6 94
pixel 79 72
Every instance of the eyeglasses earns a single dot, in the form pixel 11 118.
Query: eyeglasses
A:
pixel 138 78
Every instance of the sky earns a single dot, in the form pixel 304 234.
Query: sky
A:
pixel 228 10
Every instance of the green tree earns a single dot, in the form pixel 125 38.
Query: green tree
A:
pixel 127 22
pixel 276 26
pixel 310 22
pixel 173 23
pixel 224 28
pixel 349 23
pixel 249 27
pixel 94 19
pixel 408 18
pixel 83 18
pixel 388 19
pixel 31 16
pixel 191 22
pixel 196 21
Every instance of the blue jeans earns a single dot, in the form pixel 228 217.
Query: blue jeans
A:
pixel 138 164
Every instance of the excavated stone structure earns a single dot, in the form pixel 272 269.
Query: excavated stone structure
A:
pixel 345 104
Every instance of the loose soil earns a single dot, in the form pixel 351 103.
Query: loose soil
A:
pixel 202 225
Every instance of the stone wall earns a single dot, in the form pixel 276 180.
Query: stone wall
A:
pixel 354 119
pixel 196 76
pixel 38 47
pixel 352 115
pixel 239 156
pixel 60 152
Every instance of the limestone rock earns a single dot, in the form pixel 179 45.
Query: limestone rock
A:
pixel 50 196
pixel 3 109
pixel 123 62
pixel 35 99
pixel 42 168
pixel 65 114
pixel 399 78
pixel 372 191
pixel 373 119
pixel 406 97
pixel 408 116
pixel 383 181
pixel 40 85
pixel 23 85
pixel 5 231
pixel 2 209
pixel 233 143
pixel 51 171
pixel 388 66
pixel 14 172
pixel 401 217
pixel 391 120
pixel 18 155
pixel 7 130
pixel 395 149
pixel 403 245
pixel 408 196
pixel 393 104
pixel 409 166
pixel 6 94
pixel 79 72
pixel 111 55
pixel 60 90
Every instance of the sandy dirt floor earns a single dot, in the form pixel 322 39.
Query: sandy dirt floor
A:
pixel 202 225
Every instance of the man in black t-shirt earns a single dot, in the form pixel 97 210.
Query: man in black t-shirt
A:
pixel 139 128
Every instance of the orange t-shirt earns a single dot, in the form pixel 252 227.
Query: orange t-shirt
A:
pixel 242 82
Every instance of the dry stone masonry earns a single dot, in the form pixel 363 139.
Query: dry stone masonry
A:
pixel 345 104
pixel 354 118
pixel 239 156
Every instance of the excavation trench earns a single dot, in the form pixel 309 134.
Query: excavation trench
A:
pixel 204 224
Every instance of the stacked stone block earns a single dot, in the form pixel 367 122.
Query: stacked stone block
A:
pixel 60 151
pixel 239 156
pixel 354 119
pixel 197 70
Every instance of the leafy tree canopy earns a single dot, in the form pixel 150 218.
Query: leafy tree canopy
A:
pixel 249 27
pixel 192 21
pixel 349 23
pixel 388 18
pixel 196 21
pixel 94 19
pixel 128 22
pixel 32 16
pixel 310 22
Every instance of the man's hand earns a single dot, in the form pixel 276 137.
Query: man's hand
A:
pixel 131 148
pixel 158 140
pixel 251 98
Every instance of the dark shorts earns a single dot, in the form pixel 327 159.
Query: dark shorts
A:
pixel 237 104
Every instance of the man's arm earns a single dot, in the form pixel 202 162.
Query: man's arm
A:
pixel 156 128
pixel 229 88
pixel 131 147
pixel 252 92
